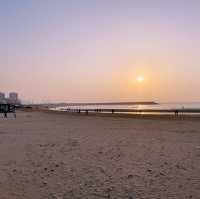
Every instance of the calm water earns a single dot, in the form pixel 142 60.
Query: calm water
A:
pixel 159 106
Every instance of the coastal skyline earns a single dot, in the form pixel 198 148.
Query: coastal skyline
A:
pixel 93 51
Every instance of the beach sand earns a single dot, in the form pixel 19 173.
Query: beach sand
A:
pixel 58 156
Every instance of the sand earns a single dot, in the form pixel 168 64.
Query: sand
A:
pixel 57 156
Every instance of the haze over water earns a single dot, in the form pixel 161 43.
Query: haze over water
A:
pixel 116 107
pixel 99 51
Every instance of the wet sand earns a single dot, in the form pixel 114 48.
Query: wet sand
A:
pixel 58 156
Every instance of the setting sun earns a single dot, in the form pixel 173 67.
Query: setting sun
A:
pixel 140 79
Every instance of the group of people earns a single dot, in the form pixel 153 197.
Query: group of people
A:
pixel 7 108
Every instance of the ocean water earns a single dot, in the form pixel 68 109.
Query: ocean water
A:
pixel 162 106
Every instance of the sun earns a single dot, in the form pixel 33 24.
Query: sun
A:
pixel 140 78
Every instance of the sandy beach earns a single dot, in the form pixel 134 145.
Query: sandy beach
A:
pixel 58 156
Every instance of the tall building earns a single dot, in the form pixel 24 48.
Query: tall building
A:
pixel 13 98
pixel 2 98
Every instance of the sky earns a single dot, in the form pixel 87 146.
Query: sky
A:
pixel 94 50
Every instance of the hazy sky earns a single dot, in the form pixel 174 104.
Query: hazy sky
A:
pixel 93 50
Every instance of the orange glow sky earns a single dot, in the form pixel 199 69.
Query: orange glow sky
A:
pixel 94 51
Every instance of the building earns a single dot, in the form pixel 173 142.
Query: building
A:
pixel 2 98
pixel 12 98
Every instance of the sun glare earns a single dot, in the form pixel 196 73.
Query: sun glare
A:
pixel 140 79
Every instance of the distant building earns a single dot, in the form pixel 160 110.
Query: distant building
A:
pixel 12 98
pixel 2 98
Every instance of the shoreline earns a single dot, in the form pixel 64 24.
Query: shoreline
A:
pixel 118 115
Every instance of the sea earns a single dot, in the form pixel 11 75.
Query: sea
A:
pixel 159 106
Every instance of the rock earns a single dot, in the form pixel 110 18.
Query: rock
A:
pixel 149 170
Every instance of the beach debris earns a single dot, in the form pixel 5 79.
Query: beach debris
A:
pixel 100 152
pixel 44 183
pixel 14 170
pixel 149 170
pixel 130 176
